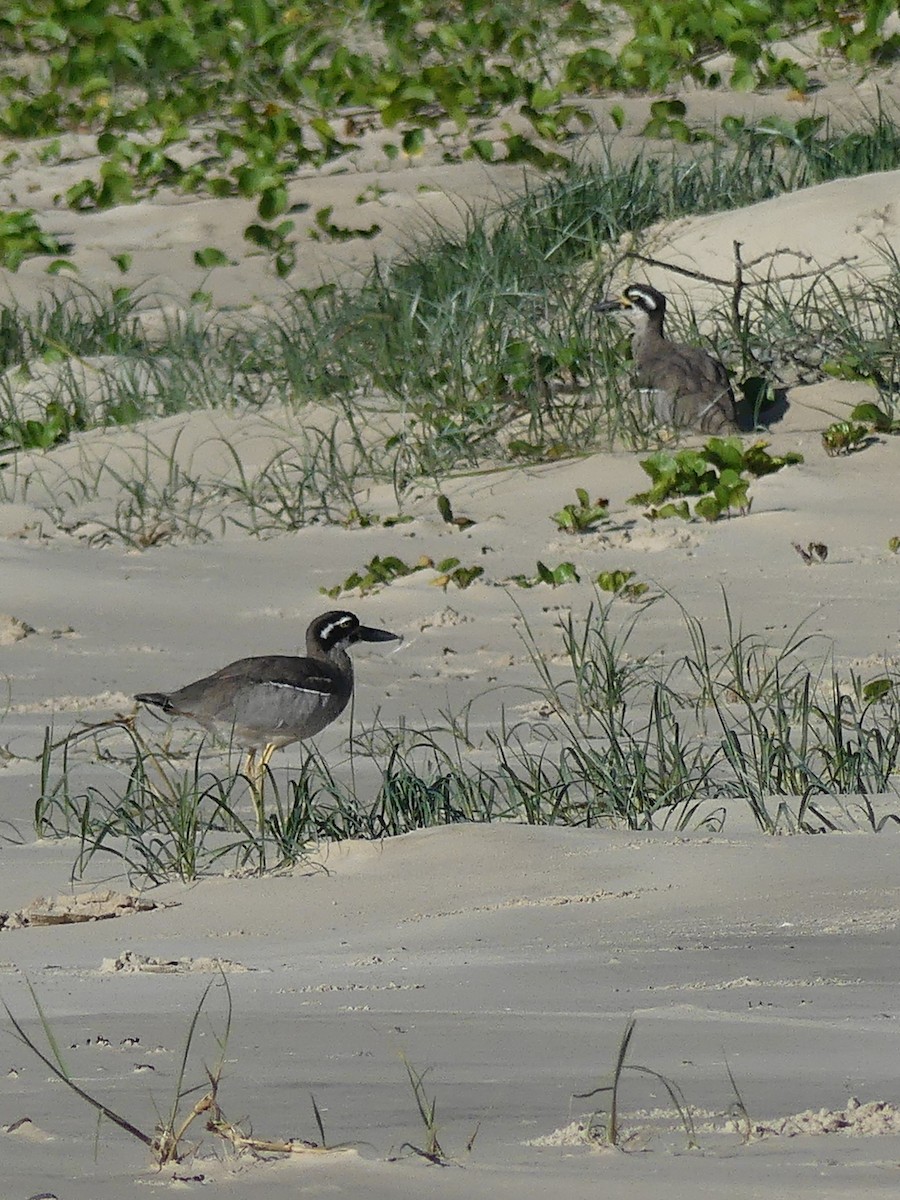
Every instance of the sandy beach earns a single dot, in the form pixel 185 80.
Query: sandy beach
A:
pixel 499 963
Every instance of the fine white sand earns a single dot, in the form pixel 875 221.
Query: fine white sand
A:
pixel 504 960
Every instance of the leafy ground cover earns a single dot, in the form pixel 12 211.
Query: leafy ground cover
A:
pixel 717 473
pixel 540 378
pixel 233 98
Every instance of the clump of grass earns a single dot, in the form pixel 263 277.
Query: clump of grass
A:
pixel 427 1108
pixel 613 1128
pixel 167 1143
pixel 159 495
pixel 168 821
pixel 640 741
pixel 164 822
pixel 87 322
pixel 152 512
pixel 662 739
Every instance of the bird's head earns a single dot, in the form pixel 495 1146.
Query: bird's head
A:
pixel 341 629
pixel 638 301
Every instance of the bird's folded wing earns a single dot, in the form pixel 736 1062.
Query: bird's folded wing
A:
pixel 280 670
pixel 689 367
pixel 313 685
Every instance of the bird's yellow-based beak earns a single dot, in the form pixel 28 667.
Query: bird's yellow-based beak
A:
pixel 613 305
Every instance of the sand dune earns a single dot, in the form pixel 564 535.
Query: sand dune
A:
pixel 505 960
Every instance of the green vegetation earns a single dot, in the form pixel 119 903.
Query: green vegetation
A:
pixel 327 230
pixel 21 237
pixel 233 98
pixel 563 572
pixel 477 350
pixel 452 571
pixel 514 288
pixel 635 740
pixel 620 583
pixel 55 425
pixel 432 1150
pixel 876 418
pixel 583 516
pixel 611 1134
pixel 844 437
pixel 716 474
pixel 379 572
pixel 445 509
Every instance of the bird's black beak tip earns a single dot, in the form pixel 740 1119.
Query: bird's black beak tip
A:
pixel 366 634
pixel 606 306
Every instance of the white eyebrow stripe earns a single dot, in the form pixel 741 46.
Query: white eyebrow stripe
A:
pixel 326 632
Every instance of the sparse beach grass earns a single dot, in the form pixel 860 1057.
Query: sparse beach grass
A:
pixel 135 419
pixel 477 349
pixel 167 1143
pixel 612 1131
pixel 476 346
pixel 634 741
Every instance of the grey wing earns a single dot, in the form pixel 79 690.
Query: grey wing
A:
pixel 698 390
pixel 719 415
pixel 288 711
pixel 264 693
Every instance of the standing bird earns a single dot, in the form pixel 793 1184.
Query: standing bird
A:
pixel 693 388
pixel 268 702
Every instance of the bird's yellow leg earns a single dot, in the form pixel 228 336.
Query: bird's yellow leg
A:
pixel 257 785
pixel 254 769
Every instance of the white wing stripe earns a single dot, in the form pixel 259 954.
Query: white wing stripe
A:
pixel 296 687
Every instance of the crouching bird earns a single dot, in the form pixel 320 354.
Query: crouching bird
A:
pixel 269 702
pixel 692 388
